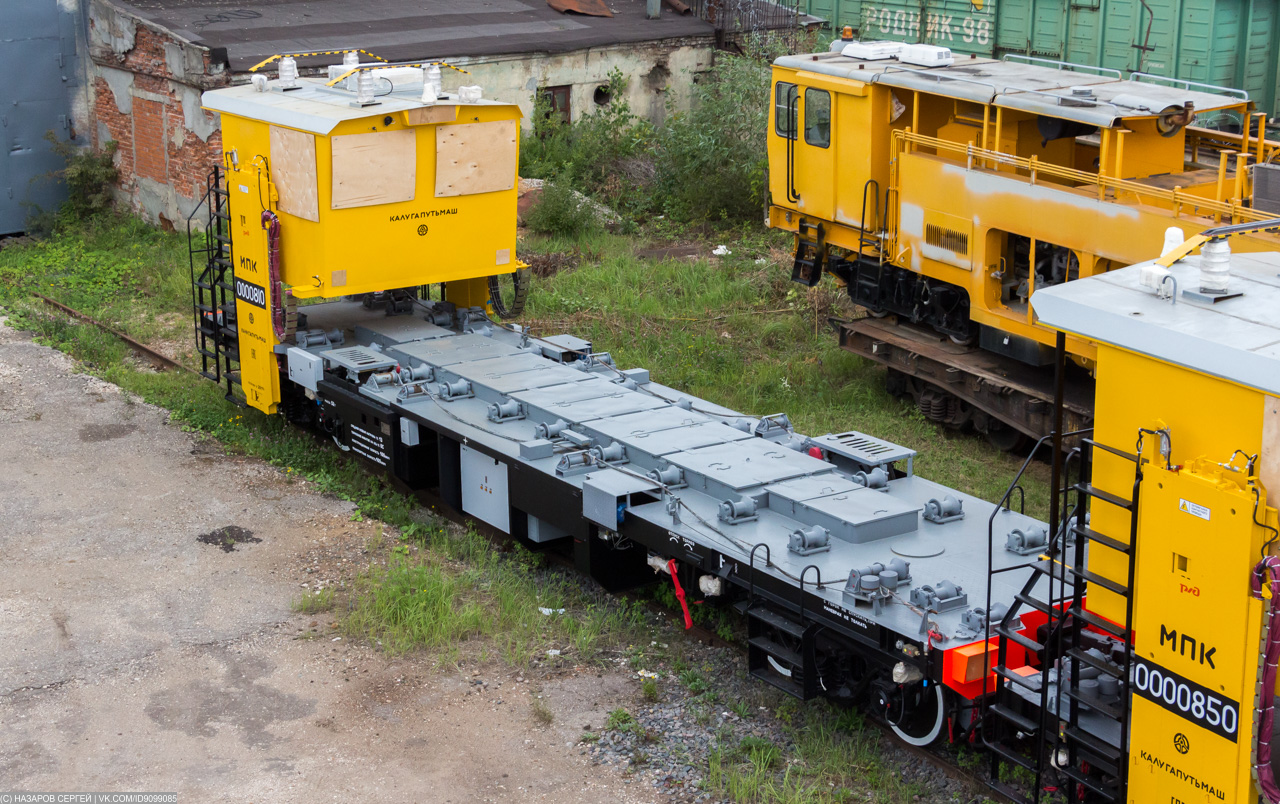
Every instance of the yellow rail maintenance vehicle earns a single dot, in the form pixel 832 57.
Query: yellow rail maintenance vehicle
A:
pixel 943 191
pixel 361 189
pixel 1156 679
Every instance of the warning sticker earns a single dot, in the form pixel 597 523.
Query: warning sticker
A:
pixel 1188 507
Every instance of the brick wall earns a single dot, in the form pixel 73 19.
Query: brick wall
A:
pixel 145 86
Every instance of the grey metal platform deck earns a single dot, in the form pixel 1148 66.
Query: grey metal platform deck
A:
pixel 614 431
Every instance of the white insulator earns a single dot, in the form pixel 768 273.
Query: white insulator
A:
pixel 259 82
pixel 288 72
pixel 350 59
pixel 904 673
pixel 710 585
pixel 431 76
pixel 364 87
pixel 1215 266
pixel 1151 275
pixel 1173 237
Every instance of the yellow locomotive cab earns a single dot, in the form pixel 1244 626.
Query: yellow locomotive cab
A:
pixel 946 190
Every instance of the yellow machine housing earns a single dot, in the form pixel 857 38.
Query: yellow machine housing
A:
pixel 1191 384
pixel 991 177
pixel 370 197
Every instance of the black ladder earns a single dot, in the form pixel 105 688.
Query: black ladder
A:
pixel 1095 765
pixel 811 254
pixel 780 650
pixel 1020 707
pixel 213 294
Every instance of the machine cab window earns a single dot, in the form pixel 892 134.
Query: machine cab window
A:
pixel 817 117
pixel 785 112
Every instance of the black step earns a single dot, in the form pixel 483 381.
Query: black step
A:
pixel 1099 580
pixel 1014 636
pixel 1101 754
pixel 1128 456
pixel 788 685
pixel 1105 496
pixel 1008 791
pixel 1024 723
pixel 1101 624
pixel 1096 663
pixel 1105 541
pixel 1038 605
pixel 783 654
pixel 776 619
pixel 1011 756
pixel 1092 785
pixel 1108 710
pixel 1016 678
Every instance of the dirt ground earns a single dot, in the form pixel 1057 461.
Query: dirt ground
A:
pixel 136 657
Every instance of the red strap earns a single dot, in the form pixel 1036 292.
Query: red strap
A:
pixel 675 579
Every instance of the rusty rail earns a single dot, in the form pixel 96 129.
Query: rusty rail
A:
pixel 151 355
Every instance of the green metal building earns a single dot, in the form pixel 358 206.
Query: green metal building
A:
pixel 1231 43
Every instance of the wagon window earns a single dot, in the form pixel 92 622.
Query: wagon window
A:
pixel 784 110
pixel 817 117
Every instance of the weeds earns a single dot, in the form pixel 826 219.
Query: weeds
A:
pixel 649 690
pixel 541 713
pixel 560 210
pixel 320 601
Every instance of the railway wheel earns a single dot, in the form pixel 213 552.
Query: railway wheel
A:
pixel 1005 438
pixel 924 714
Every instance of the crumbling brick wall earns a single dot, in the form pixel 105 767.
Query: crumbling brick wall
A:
pixel 144 93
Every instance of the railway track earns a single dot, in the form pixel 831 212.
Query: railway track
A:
pixel 501 539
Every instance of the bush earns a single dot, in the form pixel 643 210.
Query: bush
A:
pixel 561 211
pixel 89 175
pixel 711 161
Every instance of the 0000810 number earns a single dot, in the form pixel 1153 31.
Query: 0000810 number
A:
pixel 1187 698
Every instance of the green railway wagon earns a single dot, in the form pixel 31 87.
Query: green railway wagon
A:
pixel 1226 43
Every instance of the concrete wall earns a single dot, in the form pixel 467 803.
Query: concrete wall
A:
pixel 144 93
pixel 657 72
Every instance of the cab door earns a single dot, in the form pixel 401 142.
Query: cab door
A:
pixel 814 155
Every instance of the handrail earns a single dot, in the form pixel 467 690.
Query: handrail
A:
pixel 1069 66
pixel 1182 83
pixel 1195 204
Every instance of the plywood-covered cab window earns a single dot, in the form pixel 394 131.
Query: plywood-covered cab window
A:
pixel 293 171
pixel 376 168
pixel 476 158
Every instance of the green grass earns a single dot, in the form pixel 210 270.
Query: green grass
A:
pixel 319 601
pixel 730 329
pixel 833 758
pixel 740 334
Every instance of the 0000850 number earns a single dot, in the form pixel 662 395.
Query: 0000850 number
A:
pixel 1187 698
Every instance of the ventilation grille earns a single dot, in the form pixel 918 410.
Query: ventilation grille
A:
pixel 1266 188
pixel 949 239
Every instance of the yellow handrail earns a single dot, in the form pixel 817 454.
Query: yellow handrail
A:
pixel 1181 202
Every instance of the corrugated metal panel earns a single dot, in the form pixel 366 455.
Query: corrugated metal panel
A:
pixel 38 65
pixel 964 26
pixel 1231 43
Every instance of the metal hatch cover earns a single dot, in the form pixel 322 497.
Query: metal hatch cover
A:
pixel 458 349
pixel 753 462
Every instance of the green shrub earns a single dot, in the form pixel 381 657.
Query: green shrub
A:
pixel 561 211
pixel 711 160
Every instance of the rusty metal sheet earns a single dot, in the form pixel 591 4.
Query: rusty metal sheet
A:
pixel 592 8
